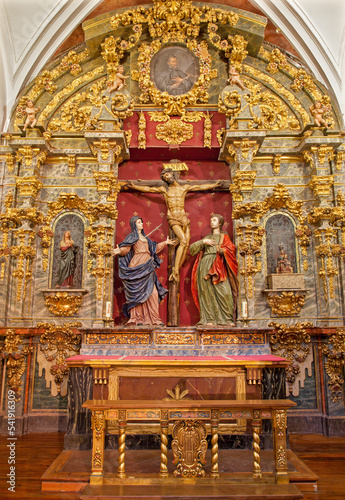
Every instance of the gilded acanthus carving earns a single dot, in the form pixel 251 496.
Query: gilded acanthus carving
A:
pixel 30 157
pixel 142 131
pixel 280 198
pixel 328 249
pixel 334 352
pixel 291 342
pixel 15 354
pixel 100 246
pixel 28 186
pixel 58 342
pixel 176 394
pixel 286 303
pixel 300 79
pixel 243 182
pixel 63 303
pixel 189 447
pixel 322 185
pixel 249 247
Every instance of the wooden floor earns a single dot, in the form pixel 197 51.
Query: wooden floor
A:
pixel 35 452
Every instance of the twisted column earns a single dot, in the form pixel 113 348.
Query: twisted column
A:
pixel 163 471
pixel 256 449
pixel 122 446
pixel 214 444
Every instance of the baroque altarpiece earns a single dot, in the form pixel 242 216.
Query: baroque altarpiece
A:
pixel 193 89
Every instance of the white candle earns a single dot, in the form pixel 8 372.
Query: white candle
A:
pixel 244 309
pixel 107 309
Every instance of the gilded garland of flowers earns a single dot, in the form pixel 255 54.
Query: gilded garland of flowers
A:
pixel 301 79
pixel 68 89
pixel 289 96
pixel 45 81
pixel 291 342
pixel 57 344
pixel 334 351
pixel 73 116
pixel 174 105
pixel 15 355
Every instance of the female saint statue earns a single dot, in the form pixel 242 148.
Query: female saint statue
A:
pixel 138 261
pixel 214 276
pixel 69 251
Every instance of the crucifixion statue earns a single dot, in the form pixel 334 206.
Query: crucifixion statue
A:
pixel 174 192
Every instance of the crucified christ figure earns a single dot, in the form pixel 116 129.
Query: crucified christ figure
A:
pixel 174 196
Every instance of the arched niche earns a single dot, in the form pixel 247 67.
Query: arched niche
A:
pixel 76 225
pixel 280 230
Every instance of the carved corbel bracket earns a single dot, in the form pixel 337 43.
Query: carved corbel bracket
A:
pixel 15 355
pixel 243 183
pixel 321 185
pixel 58 342
pixel 291 342
pixel 285 303
pixel 334 352
pixel 64 302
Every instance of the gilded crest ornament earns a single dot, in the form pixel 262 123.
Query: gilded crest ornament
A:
pixel 189 446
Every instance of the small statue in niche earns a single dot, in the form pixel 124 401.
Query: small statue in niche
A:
pixel 234 78
pixel 138 261
pixel 317 110
pixel 283 263
pixel 69 251
pixel 31 112
pixel 214 276
pixel 119 81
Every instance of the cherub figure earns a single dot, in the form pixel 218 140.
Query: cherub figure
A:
pixel 31 111
pixel 317 110
pixel 119 81
pixel 234 78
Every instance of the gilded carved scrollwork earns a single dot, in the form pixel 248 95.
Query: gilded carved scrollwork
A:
pixel 100 246
pixel 291 342
pixel 189 447
pixel 63 303
pixel 286 303
pixel 58 342
pixel 249 247
pixel 280 198
pixel 334 352
pixel 15 355
pixel 328 248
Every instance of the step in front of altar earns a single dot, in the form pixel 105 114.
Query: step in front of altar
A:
pixel 176 341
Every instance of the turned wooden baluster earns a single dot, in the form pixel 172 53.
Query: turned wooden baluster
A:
pixel 256 424
pixel 214 443
pixel 122 445
pixel 163 472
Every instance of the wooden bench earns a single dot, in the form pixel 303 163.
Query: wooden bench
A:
pixel 189 432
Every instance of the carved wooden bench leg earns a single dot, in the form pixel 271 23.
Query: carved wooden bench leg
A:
pixel 122 445
pixel 279 443
pixel 256 424
pixel 163 472
pixel 98 427
pixel 214 443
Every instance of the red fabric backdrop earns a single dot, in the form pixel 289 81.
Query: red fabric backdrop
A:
pixel 151 207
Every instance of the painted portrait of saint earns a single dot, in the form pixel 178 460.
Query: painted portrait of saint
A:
pixel 174 70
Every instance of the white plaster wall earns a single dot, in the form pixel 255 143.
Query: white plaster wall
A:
pixel 32 30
